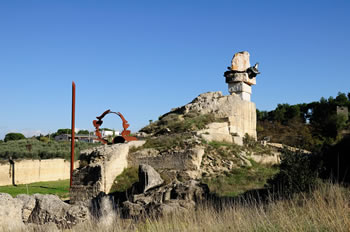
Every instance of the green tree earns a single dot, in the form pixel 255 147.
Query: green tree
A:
pixel 83 132
pixel 341 100
pixel 44 139
pixel 13 136
pixel 261 115
pixel 63 131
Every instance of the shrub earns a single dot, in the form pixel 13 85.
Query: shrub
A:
pixel 125 180
pixel 298 173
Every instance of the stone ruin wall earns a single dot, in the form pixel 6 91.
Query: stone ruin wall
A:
pixel 186 161
pixel 98 170
pixel 29 171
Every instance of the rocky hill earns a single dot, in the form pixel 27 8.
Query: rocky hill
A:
pixel 225 118
pixel 207 147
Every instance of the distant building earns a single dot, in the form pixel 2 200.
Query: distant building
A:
pixel 106 133
pixel 343 110
pixel 78 138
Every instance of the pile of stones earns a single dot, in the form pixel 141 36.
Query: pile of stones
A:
pixel 151 197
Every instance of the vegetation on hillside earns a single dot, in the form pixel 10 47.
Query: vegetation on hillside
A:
pixel 240 179
pixel 40 149
pixel 178 123
pixel 308 125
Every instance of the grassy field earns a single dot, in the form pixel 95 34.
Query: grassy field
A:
pixel 59 188
pixel 239 180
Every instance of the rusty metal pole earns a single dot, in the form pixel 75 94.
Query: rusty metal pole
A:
pixel 73 134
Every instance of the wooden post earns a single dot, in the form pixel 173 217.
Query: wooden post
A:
pixel 73 134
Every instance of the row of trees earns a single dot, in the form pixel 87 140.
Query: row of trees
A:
pixel 307 125
pixel 17 136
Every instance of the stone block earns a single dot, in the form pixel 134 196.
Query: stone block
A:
pixel 237 140
pixel 237 87
pixel 148 177
pixel 244 96
pixel 216 131
pixel 219 137
pixel 186 160
pixel 240 61
pixel 241 77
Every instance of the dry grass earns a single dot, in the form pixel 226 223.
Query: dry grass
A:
pixel 325 209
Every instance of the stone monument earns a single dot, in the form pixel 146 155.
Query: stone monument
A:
pixel 240 76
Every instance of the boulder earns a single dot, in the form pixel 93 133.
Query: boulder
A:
pixel 28 206
pixel 10 213
pixel 173 206
pixel 148 178
pixel 240 61
pixel 130 209
pixel 50 209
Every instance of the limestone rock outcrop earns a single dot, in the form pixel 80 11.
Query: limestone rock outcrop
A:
pixel 240 115
pixel 186 161
pixel 98 168
pixel 26 211
pixel 10 213
pixel 28 206
pixel 49 208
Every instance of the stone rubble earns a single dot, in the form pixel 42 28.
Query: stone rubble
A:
pixel 169 198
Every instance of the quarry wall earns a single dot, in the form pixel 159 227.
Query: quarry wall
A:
pixel 29 171
pixel 98 168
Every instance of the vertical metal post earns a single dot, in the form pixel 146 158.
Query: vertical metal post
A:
pixel 73 134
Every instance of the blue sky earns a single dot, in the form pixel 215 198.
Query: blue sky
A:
pixel 143 58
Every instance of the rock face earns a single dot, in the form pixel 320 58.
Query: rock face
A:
pixel 216 132
pixel 240 61
pixel 98 168
pixel 28 206
pixel 148 178
pixel 184 161
pixel 10 213
pixel 240 115
pixel 39 209
pixel 49 208
pixel 174 197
